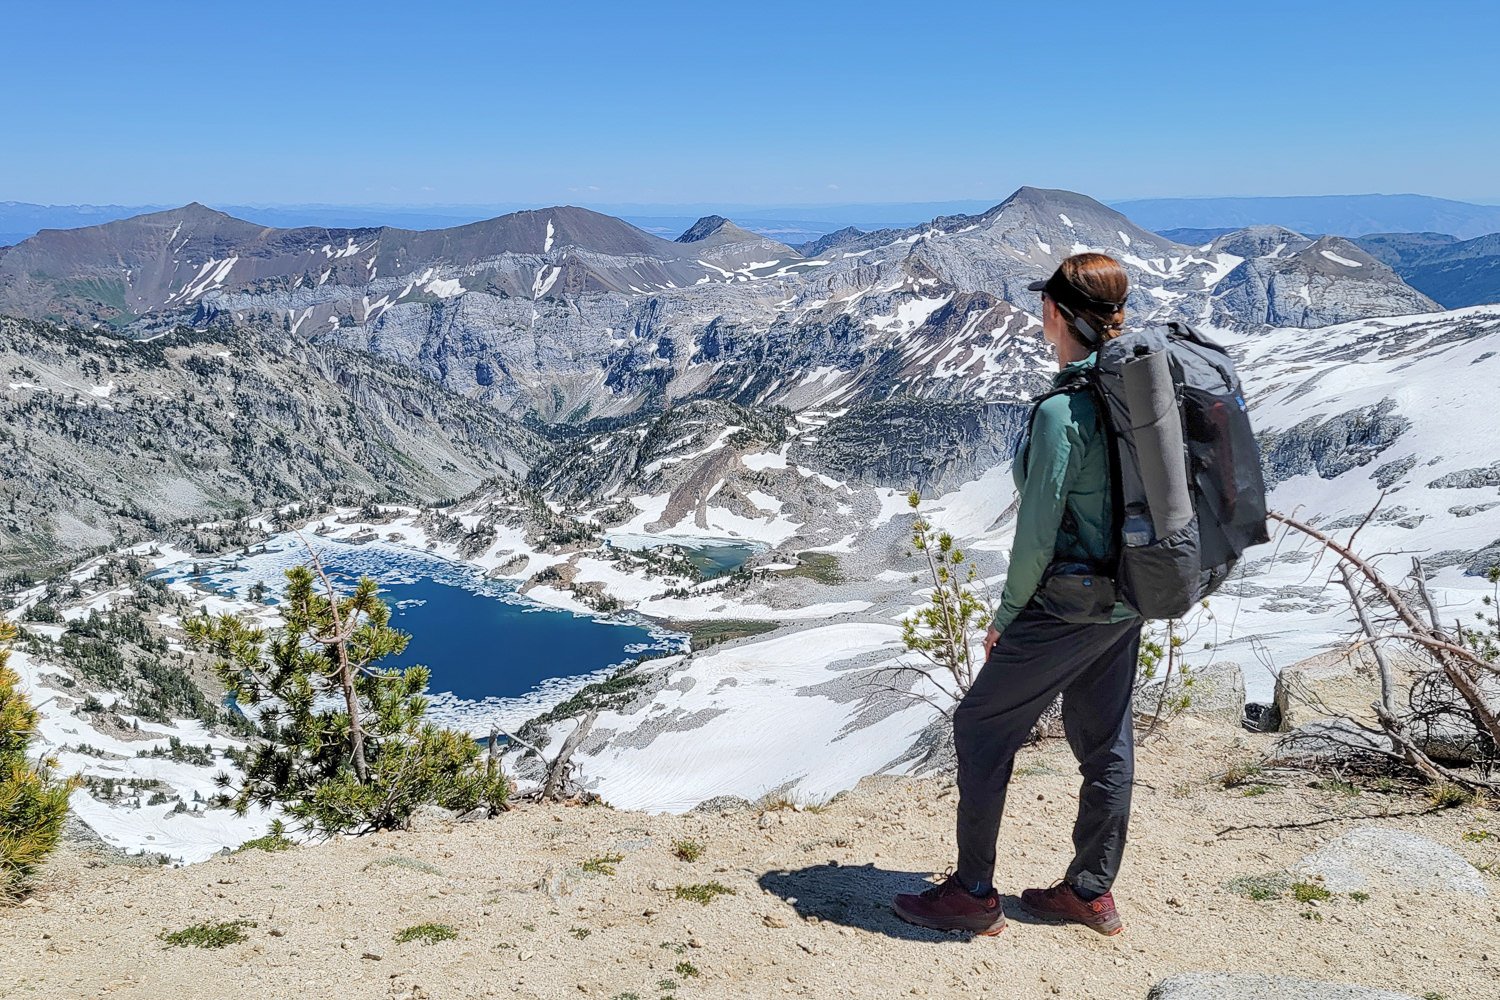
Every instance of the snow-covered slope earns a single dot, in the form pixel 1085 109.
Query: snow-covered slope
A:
pixel 1405 408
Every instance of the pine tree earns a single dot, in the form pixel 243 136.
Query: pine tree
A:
pixel 33 803
pixel 945 629
pixel 340 742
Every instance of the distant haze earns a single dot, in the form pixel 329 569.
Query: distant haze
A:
pixel 1341 215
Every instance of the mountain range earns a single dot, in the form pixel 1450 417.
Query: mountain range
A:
pixel 1197 220
pixel 1453 272
pixel 566 326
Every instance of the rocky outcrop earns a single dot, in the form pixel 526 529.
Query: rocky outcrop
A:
pixel 1331 446
pixel 1392 860
pixel 1318 283
pixel 914 444
pixel 1217 692
pixel 1341 682
pixel 1325 703
pixel 1260 986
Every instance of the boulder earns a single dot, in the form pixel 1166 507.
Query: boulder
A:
pixel 1216 691
pixel 1440 720
pixel 1331 742
pixel 1392 859
pixel 429 816
pixel 1259 986
pixel 1346 683
pixel 1339 682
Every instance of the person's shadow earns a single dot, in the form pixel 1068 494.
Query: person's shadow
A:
pixel 860 896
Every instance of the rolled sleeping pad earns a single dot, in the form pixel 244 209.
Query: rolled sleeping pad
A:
pixel 1156 424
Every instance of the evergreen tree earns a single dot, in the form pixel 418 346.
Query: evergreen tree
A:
pixel 948 627
pixel 340 742
pixel 33 803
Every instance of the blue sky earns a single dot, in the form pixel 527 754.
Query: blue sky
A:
pixel 762 103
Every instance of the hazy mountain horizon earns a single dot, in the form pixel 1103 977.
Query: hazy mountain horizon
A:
pixel 1343 215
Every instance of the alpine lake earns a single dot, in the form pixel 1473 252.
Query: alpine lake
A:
pixel 495 656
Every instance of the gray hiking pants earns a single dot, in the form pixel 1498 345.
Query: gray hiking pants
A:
pixel 1035 659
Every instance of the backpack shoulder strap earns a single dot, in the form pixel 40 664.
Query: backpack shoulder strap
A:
pixel 1076 382
pixel 1086 380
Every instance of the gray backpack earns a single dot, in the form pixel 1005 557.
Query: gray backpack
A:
pixel 1188 492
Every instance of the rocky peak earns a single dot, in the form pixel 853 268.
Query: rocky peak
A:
pixel 717 228
pixel 827 242
pixel 1260 241
pixel 1069 218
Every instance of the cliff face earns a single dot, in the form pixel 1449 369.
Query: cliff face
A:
pixel 1308 283
pixel 103 436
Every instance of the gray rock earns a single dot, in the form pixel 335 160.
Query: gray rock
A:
pixel 428 816
pixel 1339 682
pixel 1469 479
pixel 474 815
pixel 1441 722
pixel 1319 696
pixel 1327 742
pixel 1316 283
pixel 1215 692
pixel 1331 446
pixel 1258 986
pixel 722 803
pixel 1391 858
pixel 1476 562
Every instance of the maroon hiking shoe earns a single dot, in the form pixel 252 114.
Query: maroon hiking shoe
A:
pixel 1061 904
pixel 950 907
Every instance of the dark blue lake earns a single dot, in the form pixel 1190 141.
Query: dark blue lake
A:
pixel 493 654
pixel 479 647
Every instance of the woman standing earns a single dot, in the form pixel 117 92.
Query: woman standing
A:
pixel 1065 518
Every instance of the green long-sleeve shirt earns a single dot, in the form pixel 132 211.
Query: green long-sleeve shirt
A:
pixel 1064 466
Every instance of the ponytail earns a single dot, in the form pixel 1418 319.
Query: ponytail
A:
pixel 1095 310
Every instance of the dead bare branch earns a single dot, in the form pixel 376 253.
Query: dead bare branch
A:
pixel 1456 662
pixel 558 772
pixel 1385 709
pixel 339 641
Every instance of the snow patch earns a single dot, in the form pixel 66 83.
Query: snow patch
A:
pixel 1340 260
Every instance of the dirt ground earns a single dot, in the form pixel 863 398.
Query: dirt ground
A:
pixel 808 912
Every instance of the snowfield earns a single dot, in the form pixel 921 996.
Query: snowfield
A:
pixel 778 716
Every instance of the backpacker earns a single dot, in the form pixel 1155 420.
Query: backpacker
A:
pixel 1185 468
